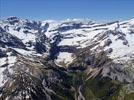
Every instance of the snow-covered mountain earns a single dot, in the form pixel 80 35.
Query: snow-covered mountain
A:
pixel 105 49
pixel 116 37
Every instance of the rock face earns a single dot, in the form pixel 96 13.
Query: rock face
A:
pixel 71 59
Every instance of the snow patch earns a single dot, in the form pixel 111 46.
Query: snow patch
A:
pixel 64 57
pixel 1 76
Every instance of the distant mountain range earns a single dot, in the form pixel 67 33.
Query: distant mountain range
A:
pixel 73 59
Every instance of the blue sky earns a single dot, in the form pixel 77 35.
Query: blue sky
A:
pixel 63 9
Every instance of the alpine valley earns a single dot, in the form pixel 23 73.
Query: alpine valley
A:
pixel 74 59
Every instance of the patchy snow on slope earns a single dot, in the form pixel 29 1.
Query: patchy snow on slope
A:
pixel 22 51
pixel 2 61
pixel 52 26
pixel 6 60
pixel 78 37
pixel 26 52
pixel 23 36
pixel 11 60
pixel 64 57
pixel 113 26
pixel 1 76
pixel 121 51
pixel 71 42
pixel 131 21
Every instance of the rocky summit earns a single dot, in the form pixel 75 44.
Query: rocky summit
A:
pixel 74 59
